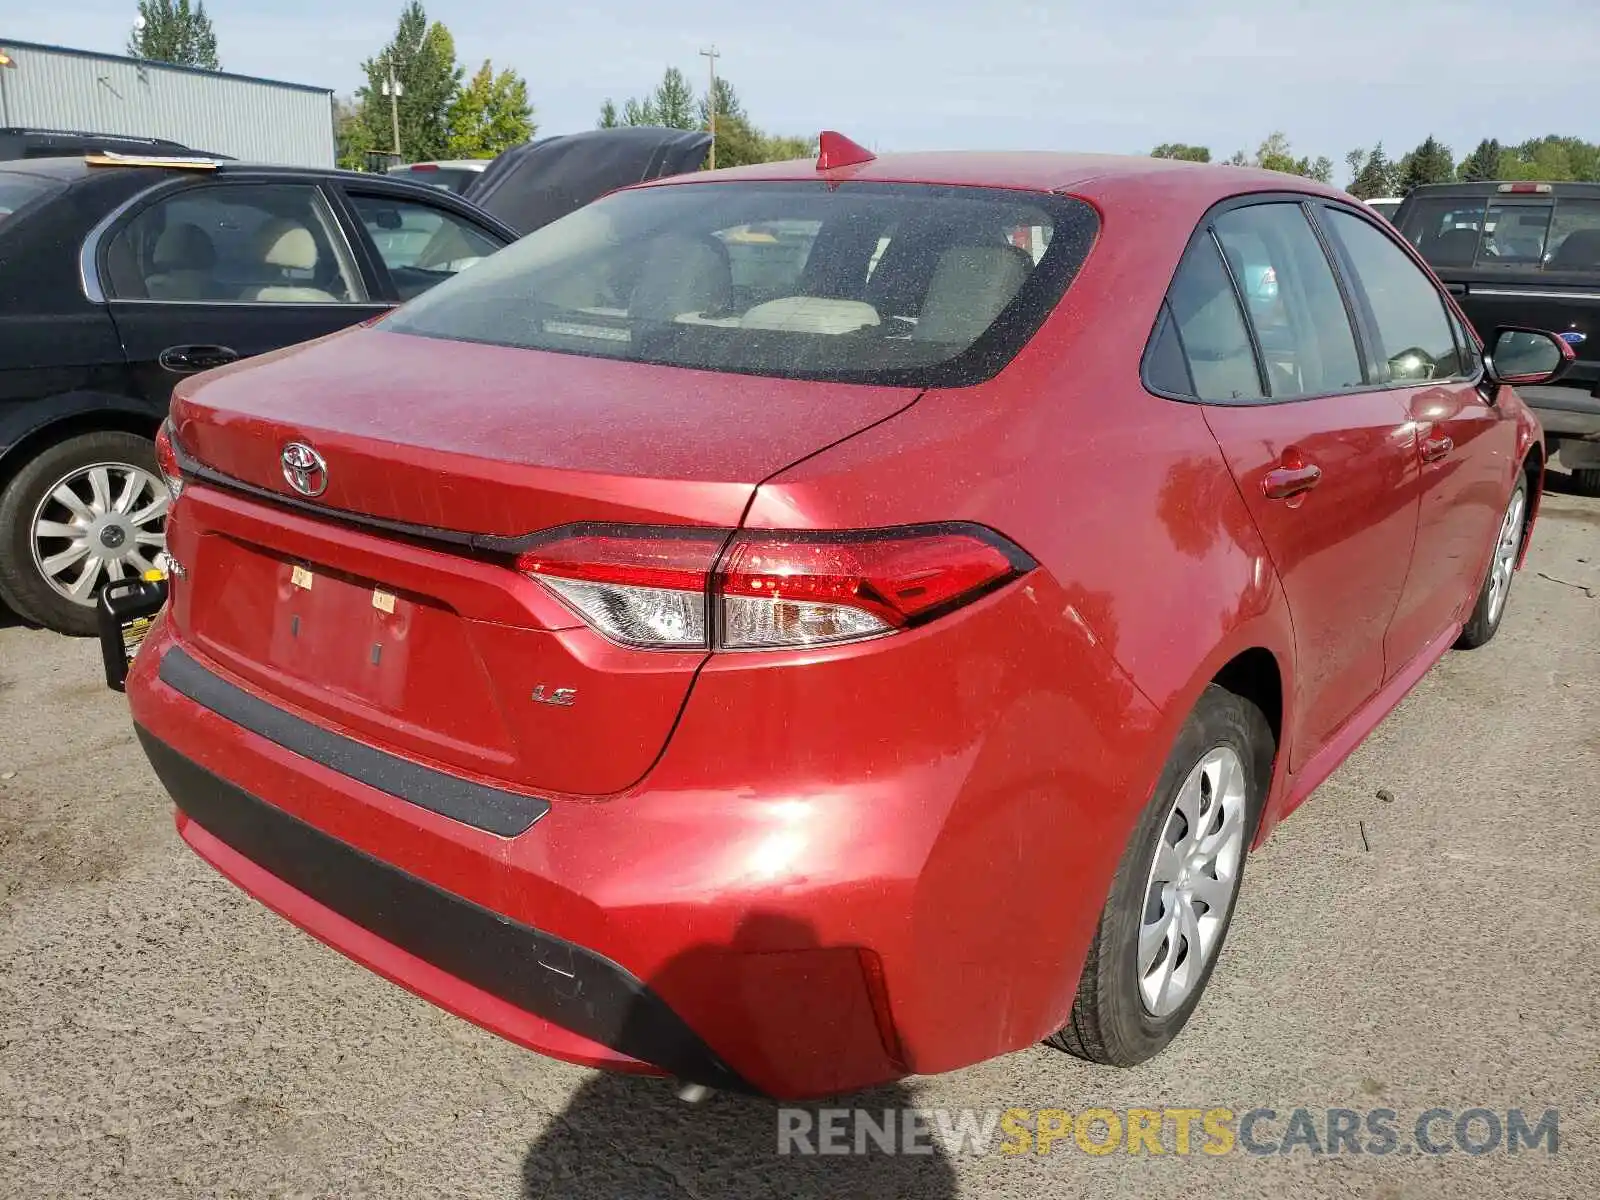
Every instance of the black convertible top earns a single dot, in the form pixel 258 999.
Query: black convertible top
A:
pixel 533 184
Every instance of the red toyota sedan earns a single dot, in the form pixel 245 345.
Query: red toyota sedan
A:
pixel 793 627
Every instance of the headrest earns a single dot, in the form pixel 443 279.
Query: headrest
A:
pixel 287 244
pixel 183 247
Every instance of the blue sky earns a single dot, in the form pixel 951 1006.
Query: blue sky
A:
pixel 1007 74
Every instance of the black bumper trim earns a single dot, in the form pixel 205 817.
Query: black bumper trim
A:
pixel 564 983
pixel 491 809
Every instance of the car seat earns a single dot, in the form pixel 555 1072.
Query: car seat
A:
pixel 682 274
pixel 282 245
pixel 970 287
pixel 1580 252
pixel 185 263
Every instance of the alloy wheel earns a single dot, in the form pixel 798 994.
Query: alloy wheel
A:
pixel 1505 556
pixel 99 523
pixel 1192 881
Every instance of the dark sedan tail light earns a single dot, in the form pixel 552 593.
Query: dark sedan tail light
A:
pixel 664 589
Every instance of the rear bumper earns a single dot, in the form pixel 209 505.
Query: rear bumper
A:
pixel 846 866
pixel 526 985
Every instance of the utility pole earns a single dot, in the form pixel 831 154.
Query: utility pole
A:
pixel 393 90
pixel 711 57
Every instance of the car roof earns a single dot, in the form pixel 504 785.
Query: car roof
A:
pixel 1088 175
pixel 69 168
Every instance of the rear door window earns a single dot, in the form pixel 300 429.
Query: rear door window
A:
pixel 1293 300
pixel 421 245
pixel 1211 328
pixel 875 283
pixel 234 242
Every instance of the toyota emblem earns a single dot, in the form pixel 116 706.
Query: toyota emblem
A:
pixel 304 469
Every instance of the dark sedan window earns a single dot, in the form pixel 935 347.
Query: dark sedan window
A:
pixel 903 284
pixel 420 245
pixel 17 190
pixel 241 242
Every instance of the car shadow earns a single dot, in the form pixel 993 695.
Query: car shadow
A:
pixel 630 1137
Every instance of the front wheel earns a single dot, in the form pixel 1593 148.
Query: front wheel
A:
pixel 1484 622
pixel 1173 894
pixel 83 512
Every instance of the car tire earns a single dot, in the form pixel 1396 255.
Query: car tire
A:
pixel 1490 607
pixel 1113 1019
pixel 1586 481
pixel 25 588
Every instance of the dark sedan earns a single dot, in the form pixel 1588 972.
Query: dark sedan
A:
pixel 121 280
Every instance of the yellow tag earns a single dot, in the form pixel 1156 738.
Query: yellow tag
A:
pixel 382 600
pixel 301 578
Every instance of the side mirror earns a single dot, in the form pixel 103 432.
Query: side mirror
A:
pixel 1527 356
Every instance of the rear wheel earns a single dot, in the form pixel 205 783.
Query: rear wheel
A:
pixel 83 512
pixel 1587 481
pixel 1173 894
pixel 1484 622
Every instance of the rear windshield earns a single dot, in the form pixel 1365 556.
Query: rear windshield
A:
pixel 871 283
pixel 1514 234
pixel 17 190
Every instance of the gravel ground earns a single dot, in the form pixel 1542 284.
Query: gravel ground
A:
pixel 162 1035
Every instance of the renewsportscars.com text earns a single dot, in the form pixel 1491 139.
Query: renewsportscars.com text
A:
pixel 1180 1131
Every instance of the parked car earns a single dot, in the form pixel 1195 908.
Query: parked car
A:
pixel 452 175
pixel 19 143
pixel 789 684
pixel 1386 206
pixel 122 280
pixel 1526 254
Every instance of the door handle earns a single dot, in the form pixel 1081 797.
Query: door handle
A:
pixel 1435 448
pixel 187 359
pixel 1281 483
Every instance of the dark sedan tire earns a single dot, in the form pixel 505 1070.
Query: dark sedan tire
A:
pixel 1125 1011
pixel 99 471
pixel 1586 481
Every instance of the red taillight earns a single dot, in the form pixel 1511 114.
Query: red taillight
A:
pixel 423 167
pixel 1525 189
pixel 665 588
pixel 167 460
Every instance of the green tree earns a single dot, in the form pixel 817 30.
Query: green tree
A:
pixel 1482 164
pixel 352 138
pixel 1430 162
pixel 673 102
pixel 1376 176
pixel 608 115
pixel 170 31
pixel 489 114
pixel 1182 150
pixel 1274 154
pixel 422 57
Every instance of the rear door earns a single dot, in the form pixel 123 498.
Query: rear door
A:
pixel 1324 458
pixel 225 269
pixel 1466 447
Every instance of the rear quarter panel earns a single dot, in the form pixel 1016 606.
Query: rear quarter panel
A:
pixel 1156 579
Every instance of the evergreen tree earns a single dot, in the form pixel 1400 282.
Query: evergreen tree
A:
pixel 422 57
pixel 489 114
pixel 1483 164
pixel 170 31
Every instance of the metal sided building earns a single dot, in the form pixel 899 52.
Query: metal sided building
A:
pixel 257 120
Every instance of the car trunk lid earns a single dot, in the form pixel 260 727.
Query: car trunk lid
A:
pixel 388 605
